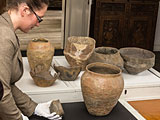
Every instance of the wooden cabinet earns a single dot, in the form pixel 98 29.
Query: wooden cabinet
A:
pixel 123 23
pixel 55 4
pixel 2 5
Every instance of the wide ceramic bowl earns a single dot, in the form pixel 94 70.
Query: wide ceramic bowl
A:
pixel 78 50
pixel 137 60
pixel 109 55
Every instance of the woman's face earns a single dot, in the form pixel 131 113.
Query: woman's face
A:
pixel 30 20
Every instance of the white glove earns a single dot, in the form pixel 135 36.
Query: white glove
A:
pixel 42 109
pixel 24 117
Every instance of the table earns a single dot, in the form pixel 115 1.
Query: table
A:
pixel 149 109
pixel 144 85
pixel 141 86
pixel 78 111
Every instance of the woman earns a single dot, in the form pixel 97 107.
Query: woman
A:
pixel 23 15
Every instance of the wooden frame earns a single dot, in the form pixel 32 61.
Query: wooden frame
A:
pixel 2 5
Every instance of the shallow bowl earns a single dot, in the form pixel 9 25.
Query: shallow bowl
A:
pixel 137 60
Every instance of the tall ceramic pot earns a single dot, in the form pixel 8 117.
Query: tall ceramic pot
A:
pixel 40 52
pixel 101 85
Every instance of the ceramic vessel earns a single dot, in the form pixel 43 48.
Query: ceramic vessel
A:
pixel 137 60
pixel 44 79
pixel 40 52
pixel 101 85
pixel 109 55
pixel 78 50
pixel 67 73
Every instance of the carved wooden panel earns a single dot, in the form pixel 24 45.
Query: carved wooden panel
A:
pixel 109 24
pixel 142 9
pixel 147 1
pixel 112 7
pixel 55 4
pixel 111 31
pixel 139 33
pixel 142 22
pixel 122 23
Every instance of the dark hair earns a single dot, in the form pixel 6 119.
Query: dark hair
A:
pixel 34 4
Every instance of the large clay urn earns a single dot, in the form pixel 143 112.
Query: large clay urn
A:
pixel 78 50
pixel 101 85
pixel 109 55
pixel 40 52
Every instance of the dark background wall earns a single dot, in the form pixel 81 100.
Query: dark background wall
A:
pixel 2 5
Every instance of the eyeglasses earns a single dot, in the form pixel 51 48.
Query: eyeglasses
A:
pixel 38 17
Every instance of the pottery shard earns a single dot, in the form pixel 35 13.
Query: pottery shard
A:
pixel 56 107
pixel 67 73
pixel 44 79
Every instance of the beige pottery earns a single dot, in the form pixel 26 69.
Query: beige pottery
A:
pixel 78 50
pixel 101 85
pixel 40 52
pixel 109 55
pixel 137 60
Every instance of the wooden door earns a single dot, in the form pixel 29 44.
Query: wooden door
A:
pixel 111 31
pixel 124 23
pixel 141 24
pixel 109 23
pixel 2 5
pixel 55 5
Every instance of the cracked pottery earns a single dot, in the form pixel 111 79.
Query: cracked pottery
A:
pixel 40 52
pixel 78 50
pixel 44 79
pixel 67 73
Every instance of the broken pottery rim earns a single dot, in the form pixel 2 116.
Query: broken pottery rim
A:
pixel 70 39
pixel 44 40
pixel 100 64
pixel 96 50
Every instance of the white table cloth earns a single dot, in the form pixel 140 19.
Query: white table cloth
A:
pixel 141 86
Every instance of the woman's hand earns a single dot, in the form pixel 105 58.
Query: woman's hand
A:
pixel 42 109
